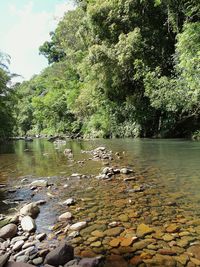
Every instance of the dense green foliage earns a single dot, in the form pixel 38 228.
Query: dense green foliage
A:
pixel 118 68
pixel 6 99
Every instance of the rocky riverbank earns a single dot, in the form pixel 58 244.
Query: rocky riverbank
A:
pixel 119 217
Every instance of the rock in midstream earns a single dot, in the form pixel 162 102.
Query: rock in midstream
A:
pixel 31 209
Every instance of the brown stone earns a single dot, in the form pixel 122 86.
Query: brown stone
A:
pixel 115 242
pixel 113 231
pixel 128 241
pixel 143 230
pixel 183 259
pixel 195 261
pixel 172 228
pixel 98 233
pixel 194 251
pixel 166 252
pixel 135 261
pixel 115 261
pixel 160 260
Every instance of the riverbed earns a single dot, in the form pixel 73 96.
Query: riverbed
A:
pixel 162 193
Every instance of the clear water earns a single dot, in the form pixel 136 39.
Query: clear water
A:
pixel 173 165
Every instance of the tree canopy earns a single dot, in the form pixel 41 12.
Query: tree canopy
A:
pixel 117 68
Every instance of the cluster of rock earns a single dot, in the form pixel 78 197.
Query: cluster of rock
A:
pixel 100 153
pixel 109 172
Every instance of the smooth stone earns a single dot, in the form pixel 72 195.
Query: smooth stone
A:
pixel 78 226
pixel 115 242
pixel 142 244
pixel 38 261
pixel 113 231
pixel 194 251
pixel 160 260
pixel 65 216
pixel 168 237
pixel 18 238
pixel 29 244
pixel 23 258
pixel 95 244
pixel 183 259
pixel 8 231
pixel 173 228
pixel 60 255
pixel 3 259
pixel 195 261
pixel 28 224
pixel 39 183
pixel 143 230
pixel 128 241
pixel 98 233
pixel 31 210
pixel 18 245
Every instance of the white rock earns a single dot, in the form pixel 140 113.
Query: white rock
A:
pixel 69 201
pixel 101 148
pixel 78 226
pixel 29 244
pixel 65 216
pixel 76 175
pixel 18 245
pixel 30 209
pixel 125 171
pixel 28 224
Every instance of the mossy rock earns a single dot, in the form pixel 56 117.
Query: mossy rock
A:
pixel 4 222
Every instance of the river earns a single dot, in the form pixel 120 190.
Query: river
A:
pixel 169 169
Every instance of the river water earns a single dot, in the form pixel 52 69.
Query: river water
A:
pixel 170 170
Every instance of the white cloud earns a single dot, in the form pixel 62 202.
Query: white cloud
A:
pixel 31 30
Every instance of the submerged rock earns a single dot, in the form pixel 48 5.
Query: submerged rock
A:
pixel 78 226
pixel 143 230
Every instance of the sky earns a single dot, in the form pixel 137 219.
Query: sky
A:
pixel 24 26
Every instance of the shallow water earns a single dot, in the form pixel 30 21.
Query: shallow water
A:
pixel 170 169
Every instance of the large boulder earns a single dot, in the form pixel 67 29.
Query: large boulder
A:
pixel 28 224
pixel 60 255
pixel 8 231
pixel 30 209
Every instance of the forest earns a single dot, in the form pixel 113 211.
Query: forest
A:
pixel 117 68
